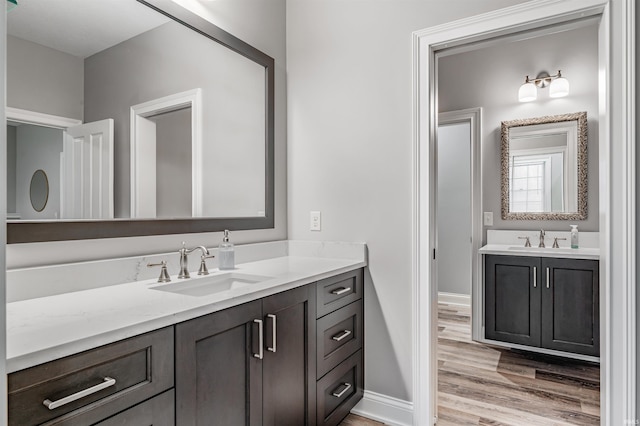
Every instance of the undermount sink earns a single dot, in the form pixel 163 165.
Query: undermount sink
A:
pixel 204 286
pixel 546 249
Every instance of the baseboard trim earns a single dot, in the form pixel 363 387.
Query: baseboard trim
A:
pixel 386 409
pixel 454 299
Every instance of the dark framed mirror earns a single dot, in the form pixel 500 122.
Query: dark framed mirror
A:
pixel 217 177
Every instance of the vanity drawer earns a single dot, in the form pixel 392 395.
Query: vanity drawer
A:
pixel 338 291
pixel 112 378
pixel 158 411
pixel 340 390
pixel 339 335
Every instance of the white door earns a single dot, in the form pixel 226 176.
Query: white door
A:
pixel 87 171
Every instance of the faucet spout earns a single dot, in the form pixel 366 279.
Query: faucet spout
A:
pixel 184 260
pixel 542 234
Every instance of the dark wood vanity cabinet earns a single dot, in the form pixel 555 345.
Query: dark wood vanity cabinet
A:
pixel 117 381
pixel 252 364
pixel 294 358
pixel 543 302
pixel 340 340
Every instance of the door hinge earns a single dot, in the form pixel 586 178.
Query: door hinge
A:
pixel 434 254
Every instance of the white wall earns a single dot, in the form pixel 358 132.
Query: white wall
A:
pixel 350 150
pixel 453 215
pixel 11 169
pixel 491 77
pixel 261 24
pixel 3 231
pixel 37 148
pixel 44 80
pixel 173 163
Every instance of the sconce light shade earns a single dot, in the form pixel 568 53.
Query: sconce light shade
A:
pixel 559 87
pixel 11 4
pixel 527 92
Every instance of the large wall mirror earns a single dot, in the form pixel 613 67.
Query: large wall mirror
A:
pixel 146 118
pixel 544 168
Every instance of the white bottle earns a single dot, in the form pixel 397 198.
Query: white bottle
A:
pixel 226 253
pixel 574 236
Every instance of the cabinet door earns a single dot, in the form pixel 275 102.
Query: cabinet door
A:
pixel 512 299
pixel 570 306
pixel 218 378
pixel 289 358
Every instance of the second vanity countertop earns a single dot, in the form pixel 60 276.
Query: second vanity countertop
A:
pixel 46 328
pixel 507 243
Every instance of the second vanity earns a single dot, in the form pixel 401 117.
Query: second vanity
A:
pixel 541 299
pixel 283 344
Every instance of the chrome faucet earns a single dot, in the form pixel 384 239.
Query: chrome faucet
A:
pixel 184 261
pixel 541 245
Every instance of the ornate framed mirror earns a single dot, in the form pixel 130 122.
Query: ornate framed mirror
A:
pixel 544 168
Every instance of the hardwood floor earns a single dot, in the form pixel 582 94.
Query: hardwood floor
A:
pixel 353 420
pixel 484 385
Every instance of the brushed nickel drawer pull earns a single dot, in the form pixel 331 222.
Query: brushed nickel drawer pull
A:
pixel 337 394
pixel 52 405
pixel 547 277
pixel 273 333
pixel 260 353
pixel 341 290
pixel 341 336
pixel 535 277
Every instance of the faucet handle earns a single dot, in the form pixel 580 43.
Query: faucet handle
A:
pixel 555 242
pixel 527 243
pixel 203 265
pixel 164 274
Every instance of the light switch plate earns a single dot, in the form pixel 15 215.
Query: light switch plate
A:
pixel 315 224
pixel 488 218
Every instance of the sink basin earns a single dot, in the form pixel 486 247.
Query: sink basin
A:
pixel 545 249
pixel 204 286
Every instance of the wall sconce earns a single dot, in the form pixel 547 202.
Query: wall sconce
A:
pixel 558 86
pixel 11 4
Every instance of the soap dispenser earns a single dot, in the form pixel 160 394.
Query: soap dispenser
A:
pixel 574 236
pixel 226 253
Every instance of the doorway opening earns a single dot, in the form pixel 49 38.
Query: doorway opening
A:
pixel 159 129
pixel 616 122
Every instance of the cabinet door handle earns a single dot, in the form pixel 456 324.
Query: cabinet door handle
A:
pixel 260 353
pixel 339 394
pixel 547 277
pixel 273 332
pixel 341 290
pixel 341 336
pixel 106 382
pixel 535 277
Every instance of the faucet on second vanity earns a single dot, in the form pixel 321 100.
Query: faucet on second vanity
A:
pixel 542 233
pixel 184 261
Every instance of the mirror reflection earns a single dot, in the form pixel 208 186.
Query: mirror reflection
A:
pixel 144 117
pixel 544 167
pixel 39 190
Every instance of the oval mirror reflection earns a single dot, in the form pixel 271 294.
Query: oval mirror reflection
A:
pixel 39 190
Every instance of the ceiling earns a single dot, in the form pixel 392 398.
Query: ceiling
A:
pixel 65 24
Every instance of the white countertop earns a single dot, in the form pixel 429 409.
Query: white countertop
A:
pixel 508 242
pixel 565 253
pixel 46 328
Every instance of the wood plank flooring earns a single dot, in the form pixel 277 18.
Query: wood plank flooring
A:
pixel 484 385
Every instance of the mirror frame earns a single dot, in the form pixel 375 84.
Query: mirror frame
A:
pixel 581 214
pixel 28 232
